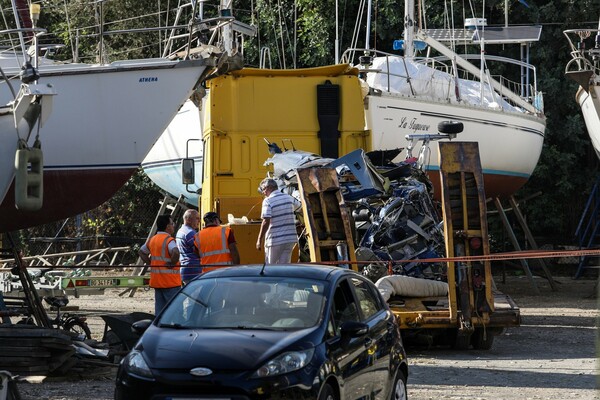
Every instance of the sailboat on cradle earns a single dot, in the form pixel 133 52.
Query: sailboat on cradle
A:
pixel 584 68
pixel 411 94
pixel 105 118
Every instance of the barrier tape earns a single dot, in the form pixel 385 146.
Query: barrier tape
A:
pixel 512 255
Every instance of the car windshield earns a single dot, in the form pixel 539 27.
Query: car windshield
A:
pixel 246 303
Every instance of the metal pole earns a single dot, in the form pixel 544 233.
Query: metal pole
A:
pixel 409 27
pixel 368 33
pixel 18 23
pixel 337 37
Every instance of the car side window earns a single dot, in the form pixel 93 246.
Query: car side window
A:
pixel 344 308
pixel 368 303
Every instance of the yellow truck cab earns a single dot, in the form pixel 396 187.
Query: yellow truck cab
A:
pixel 318 110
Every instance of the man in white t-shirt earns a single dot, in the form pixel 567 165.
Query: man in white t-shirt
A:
pixel 278 228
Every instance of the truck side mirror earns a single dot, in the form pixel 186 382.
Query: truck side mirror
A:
pixel 188 175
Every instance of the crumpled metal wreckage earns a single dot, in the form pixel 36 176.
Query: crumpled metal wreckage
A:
pixel 392 206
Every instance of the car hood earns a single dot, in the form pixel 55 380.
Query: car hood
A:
pixel 230 349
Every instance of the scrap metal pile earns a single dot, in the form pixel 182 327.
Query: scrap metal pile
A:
pixel 396 220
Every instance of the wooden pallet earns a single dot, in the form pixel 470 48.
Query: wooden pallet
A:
pixel 326 216
pixel 31 350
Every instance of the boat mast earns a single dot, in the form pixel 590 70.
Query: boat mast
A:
pixel 368 33
pixel 409 27
pixel 482 66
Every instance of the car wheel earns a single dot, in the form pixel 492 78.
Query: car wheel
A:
pixel 327 393
pixel 399 389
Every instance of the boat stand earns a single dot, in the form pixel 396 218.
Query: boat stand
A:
pixel 32 300
pixel 588 228
pixel 513 238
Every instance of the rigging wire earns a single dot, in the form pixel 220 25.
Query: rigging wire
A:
pixel 284 32
pixel 375 26
pixel 275 33
pixel 341 33
pixel 295 47
pixel 10 38
pixel 452 43
pixel 422 16
pixel 69 32
pixel 281 33
pixel 355 33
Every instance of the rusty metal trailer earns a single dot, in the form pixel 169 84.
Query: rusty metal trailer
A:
pixel 473 311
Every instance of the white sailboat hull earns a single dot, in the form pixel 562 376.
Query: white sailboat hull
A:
pixel 510 143
pixel 104 121
pixel 589 101
pixel 163 163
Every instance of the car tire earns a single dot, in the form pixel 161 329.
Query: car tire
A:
pixel 399 389
pixel 327 393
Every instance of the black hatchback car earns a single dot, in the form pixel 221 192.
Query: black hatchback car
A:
pixel 269 332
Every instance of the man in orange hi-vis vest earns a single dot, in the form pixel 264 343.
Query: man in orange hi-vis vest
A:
pixel 161 252
pixel 215 244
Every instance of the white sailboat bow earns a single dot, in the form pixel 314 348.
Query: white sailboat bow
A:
pixel 180 140
pixel 411 95
pixel 584 68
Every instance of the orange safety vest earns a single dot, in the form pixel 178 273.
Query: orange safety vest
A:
pixel 162 277
pixel 213 248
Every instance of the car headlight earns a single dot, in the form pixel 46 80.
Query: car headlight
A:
pixel 135 364
pixel 284 363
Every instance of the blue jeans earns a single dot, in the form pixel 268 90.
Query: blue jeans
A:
pixel 162 297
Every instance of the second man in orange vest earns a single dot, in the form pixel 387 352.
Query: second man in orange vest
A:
pixel 215 244
pixel 161 252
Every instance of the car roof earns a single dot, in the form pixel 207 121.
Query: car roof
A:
pixel 308 271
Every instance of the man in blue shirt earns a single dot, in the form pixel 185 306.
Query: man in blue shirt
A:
pixel 190 262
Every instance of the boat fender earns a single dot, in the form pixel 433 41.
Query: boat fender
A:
pixel 408 286
pixel 29 171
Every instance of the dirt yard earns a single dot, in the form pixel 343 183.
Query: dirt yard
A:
pixel 552 355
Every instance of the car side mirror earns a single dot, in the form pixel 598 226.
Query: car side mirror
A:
pixel 188 173
pixel 353 329
pixel 139 327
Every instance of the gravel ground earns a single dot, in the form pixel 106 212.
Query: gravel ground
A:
pixel 551 355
